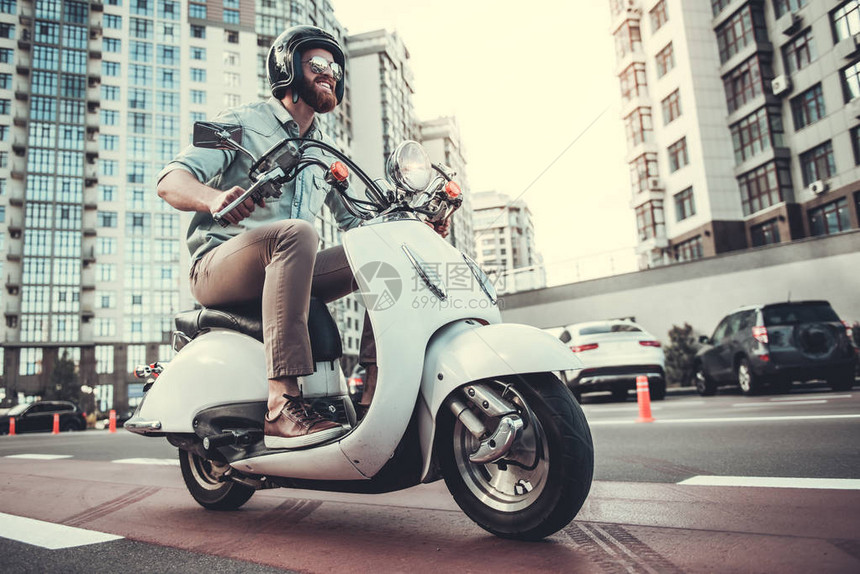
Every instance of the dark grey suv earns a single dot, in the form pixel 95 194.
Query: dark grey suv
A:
pixel 774 345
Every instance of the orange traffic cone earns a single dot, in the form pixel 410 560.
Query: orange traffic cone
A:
pixel 56 424
pixel 112 420
pixel 643 397
pixel 12 426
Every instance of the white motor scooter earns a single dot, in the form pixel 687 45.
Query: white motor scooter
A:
pixel 459 395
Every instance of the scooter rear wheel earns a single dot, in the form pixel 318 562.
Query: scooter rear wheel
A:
pixel 203 478
pixel 543 482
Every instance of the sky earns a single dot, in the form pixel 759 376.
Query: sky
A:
pixel 537 100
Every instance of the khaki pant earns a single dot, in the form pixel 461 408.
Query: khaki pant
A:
pixel 279 262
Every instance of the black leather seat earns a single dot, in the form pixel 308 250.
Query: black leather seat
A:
pixel 247 318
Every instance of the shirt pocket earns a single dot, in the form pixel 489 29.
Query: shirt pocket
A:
pixel 318 191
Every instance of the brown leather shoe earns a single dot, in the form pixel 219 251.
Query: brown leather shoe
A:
pixel 297 426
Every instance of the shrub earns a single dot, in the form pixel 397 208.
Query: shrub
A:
pixel 680 355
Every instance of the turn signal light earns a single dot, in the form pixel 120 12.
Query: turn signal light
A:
pixel 453 190
pixel 759 333
pixel 650 343
pixel 581 348
pixel 339 171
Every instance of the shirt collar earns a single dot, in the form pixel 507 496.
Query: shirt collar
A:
pixel 287 120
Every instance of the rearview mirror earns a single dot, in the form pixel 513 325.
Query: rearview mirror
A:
pixel 704 339
pixel 217 136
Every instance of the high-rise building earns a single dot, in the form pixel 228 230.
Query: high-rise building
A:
pixel 95 97
pixel 382 88
pixel 441 138
pixel 505 242
pixel 741 121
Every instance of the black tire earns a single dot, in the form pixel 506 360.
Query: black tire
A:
pixel 557 480
pixel 748 381
pixel 70 425
pixel 201 479
pixel 657 389
pixel 705 386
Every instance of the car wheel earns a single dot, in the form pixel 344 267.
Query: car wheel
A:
pixel 657 389
pixel 70 426
pixel 705 386
pixel 747 380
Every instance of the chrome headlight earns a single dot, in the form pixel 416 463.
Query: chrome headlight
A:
pixel 409 167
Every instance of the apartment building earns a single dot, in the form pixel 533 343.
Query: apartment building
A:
pixel 505 242
pixel 741 120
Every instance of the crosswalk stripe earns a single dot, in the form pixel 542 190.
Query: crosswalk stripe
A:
pixel 39 456
pixel 774 482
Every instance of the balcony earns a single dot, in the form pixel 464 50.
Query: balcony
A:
pixel 14 253
pixel 16 196
pixel 19 147
pixel 97 6
pixel 22 96
pixel 13 284
pixel 20 121
pixel 12 310
pixel 89 256
pixel 22 69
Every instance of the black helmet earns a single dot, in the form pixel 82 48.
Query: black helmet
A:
pixel 283 65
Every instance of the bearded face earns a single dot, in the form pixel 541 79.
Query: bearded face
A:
pixel 318 92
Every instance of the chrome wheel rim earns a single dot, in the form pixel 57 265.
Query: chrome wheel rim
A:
pixel 744 377
pixel 506 486
pixel 700 380
pixel 206 473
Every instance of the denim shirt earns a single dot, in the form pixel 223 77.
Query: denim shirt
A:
pixel 264 124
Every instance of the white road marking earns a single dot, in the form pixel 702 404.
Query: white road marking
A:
pixel 774 482
pixel 151 461
pixel 813 402
pixel 47 534
pixel 39 456
pixel 808 397
pixel 609 422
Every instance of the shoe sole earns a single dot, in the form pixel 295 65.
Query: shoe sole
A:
pixel 304 440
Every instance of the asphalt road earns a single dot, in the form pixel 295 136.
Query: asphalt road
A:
pixel 638 517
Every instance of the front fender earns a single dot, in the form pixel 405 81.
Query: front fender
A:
pixel 467 351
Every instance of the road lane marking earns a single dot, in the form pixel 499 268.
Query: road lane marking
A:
pixel 47 534
pixel 807 397
pixel 609 422
pixel 151 461
pixel 39 456
pixel 813 402
pixel 774 482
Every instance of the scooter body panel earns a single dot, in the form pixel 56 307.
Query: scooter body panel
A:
pixel 219 367
pixel 466 352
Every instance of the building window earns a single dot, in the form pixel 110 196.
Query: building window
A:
pixel 742 29
pixel 678 157
pixel 672 107
pixel 231 36
pixel 745 82
pixel 198 31
pixel 829 218
pixel 650 222
pixel 107 218
pixel 197 11
pixel 763 186
pixel 633 82
pixel 638 127
pixel 104 359
pixel 198 75
pixel 641 169
pixel 766 233
pixel 818 163
pixel 781 7
pixel 685 204
pixel 808 107
pixel 628 39
pixel 231 16
pixel 665 60
pixel 659 16
pixel 198 54
pixel 756 133
pixel 689 250
pixel 855 143
pixel 851 81
pixel 198 97
pixel 846 21
pixel 798 53
pixel 112 21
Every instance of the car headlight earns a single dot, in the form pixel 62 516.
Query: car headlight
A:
pixel 409 167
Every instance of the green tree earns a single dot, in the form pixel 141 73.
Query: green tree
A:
pixel 680 355
pixel 64 380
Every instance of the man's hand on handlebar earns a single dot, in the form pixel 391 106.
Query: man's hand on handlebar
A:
pixel 440 227
pixel 240 212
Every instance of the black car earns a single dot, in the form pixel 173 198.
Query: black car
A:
pixel 776 344
pixel 39 417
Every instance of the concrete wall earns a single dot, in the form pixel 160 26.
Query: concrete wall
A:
pixel 702 292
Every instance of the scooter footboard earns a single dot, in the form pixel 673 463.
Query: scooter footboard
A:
pixel 466 351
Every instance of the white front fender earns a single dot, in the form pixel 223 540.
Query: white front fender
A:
pixel 467 351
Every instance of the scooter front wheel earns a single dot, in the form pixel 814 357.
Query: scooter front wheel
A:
pixel 540 485
pixel 205 481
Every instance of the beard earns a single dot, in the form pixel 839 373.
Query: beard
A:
pixel 320 100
